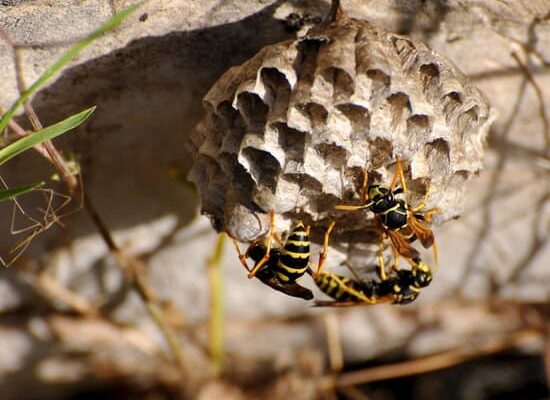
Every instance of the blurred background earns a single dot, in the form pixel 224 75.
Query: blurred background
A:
pixel 168 312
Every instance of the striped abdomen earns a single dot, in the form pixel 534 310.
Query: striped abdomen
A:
pixel 294 258
pixel 342 288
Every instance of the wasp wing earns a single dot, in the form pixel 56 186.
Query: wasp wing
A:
pixel 402 245
pixel 423 232
pixel 290 289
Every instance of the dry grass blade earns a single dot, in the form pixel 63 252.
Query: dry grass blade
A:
pixel 335 353
pixel 55 291
pixel 49 216
pixel 95 332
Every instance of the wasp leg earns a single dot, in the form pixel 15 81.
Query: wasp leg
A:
pixel 413 262
pixel 422 204
pixel 436 255
pixel 265 258
pixel 381 267
pixel 396 256
pixel 278 239
pixel 428 218
pixel 345 207
pixel 364 185
pixel 427 215
pixel 323 254
pixel 364 196
pixel 240 255
pixel 399 174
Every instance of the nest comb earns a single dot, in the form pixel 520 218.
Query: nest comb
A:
pixel 291 129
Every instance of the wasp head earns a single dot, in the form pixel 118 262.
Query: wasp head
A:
pixel 256 252
pixel 380 198
pixel 378 192
pixel 403 289
pixel 422 274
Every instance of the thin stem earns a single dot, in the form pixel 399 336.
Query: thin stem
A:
pixel 54 156
pixel 57 291
pixel 335 353
pixel 215 329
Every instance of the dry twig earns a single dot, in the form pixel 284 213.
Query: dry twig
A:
pixel 429 363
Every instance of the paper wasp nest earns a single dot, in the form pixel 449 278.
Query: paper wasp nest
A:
pixel 291 128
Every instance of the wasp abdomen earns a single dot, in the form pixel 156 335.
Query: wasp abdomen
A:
pixel 294 259
pixel 342 288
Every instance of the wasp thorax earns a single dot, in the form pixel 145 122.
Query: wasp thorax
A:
pixel 289 129
pixel 257 252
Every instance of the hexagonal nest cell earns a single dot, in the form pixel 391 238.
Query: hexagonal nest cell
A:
pixel 292 128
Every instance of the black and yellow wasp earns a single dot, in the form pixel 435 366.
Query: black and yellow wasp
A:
pixel 280 266
pixel 401 287
pixel 402 223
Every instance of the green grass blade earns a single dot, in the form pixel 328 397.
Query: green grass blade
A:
pixel 65 58
pixel 7 194
pixel 40 136
pixel 215 328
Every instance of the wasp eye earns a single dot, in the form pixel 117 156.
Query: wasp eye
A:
pixel 423 279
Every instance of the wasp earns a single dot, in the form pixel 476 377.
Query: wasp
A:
pixel 280 266
pixel 402 223
pixel 401 287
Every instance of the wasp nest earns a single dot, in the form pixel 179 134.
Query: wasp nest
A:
pixel 291 129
